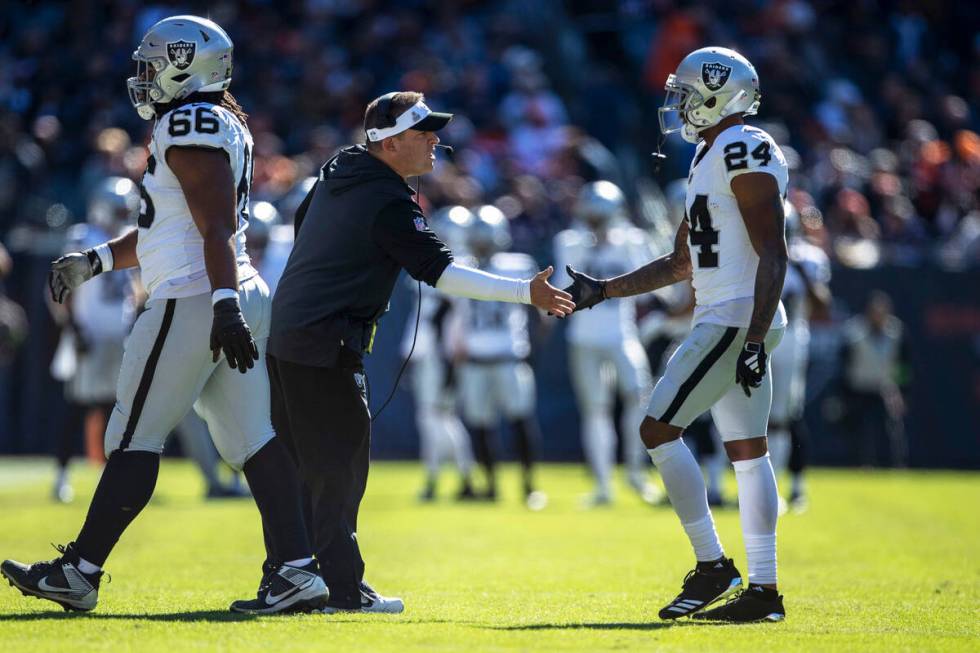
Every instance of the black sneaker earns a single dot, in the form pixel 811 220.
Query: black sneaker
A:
pixel 57 580
pixel 756 603
pixel 285 589
pixel 703 585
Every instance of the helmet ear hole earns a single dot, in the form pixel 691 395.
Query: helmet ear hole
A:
pixel 711 102
pixel 181 77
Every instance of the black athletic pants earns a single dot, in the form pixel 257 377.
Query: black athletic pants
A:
pixel 321 414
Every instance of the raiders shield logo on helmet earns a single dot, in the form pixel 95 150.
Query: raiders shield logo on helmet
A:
pixel 181 54
pixel 714 75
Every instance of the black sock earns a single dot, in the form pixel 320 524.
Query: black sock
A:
pixel 527 435
pixel 124 490
pixel 274 481
pixel 485 453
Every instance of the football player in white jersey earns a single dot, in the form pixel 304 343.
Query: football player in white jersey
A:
pixel 732 246
pixel 190 250
pixel 494 344
pixel 441 432
pixel 805 293
pixel 605 352
pixel 98 317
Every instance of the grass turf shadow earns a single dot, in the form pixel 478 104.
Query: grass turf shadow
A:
pixel 189 616
pixel 642 625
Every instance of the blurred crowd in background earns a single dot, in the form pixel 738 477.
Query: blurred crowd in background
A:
pixel 874 102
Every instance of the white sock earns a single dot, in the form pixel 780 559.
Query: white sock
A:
pixel 302 562
pixel 685 487
pixel 758 506
pixel 87 567
pixel 600 449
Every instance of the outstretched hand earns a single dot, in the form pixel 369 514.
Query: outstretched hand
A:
pixel 585 291
pixel 547 297
pixel 69 272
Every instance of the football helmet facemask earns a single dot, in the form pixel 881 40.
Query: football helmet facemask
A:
pixel 709 85
pixel 178 56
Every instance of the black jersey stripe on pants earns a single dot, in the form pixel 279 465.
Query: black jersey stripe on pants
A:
pixel 325 410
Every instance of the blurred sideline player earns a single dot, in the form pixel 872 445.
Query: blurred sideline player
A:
pixel 190 248
pixel 605 353
pixel 441 433
pixel 662 330
pixel 493 341
pixel 97 319
pixel 805 293
pixel 732 246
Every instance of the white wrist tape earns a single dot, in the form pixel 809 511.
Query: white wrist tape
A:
pixel 223 293
pixel 462 281
pixel 104 252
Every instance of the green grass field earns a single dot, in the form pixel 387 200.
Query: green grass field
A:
pixel 880 562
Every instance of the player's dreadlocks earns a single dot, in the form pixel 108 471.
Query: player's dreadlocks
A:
pixel 223 99
pixel 229 102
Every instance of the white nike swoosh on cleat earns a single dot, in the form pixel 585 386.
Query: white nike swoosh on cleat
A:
pixel 44 587
pixel 272 599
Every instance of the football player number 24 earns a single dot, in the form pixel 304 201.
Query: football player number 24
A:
pixel 703 235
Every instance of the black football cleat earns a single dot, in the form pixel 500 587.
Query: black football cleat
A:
pixel 706 583
pixel 57 580
pixel 285 589
pixel 754 604
pixel 370 601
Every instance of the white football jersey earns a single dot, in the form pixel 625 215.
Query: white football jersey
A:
pixel 722 255
pixel 624 249
pixel 103 306
pixel 804 259
pixel 497 330
pixel 427 341
pixel 170 248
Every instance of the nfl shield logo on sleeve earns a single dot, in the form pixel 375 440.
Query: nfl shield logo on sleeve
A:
pixel 419 223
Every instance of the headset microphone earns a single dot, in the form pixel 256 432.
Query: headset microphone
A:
pixel 659 156
pixel 448 148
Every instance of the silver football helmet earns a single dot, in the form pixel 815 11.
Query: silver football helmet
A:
pixel 451 223
pixel 709 85
pixel 178 56
pixel 262 217
pixel 489 233
pixel 113 204
pixel 599 204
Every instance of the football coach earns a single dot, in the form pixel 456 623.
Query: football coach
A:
pixel 356 230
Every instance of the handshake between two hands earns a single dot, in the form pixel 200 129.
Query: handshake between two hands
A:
pixel 584 292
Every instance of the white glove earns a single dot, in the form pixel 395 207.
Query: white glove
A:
pixel 72 270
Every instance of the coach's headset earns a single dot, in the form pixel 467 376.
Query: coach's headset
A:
pixel 388 121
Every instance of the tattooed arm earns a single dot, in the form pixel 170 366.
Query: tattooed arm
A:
pixel 761 207
pixel 658 273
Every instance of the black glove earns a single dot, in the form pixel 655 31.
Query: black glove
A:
pixel 230 334
pixel 586 292
pixel 72 270
pixel 751 366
